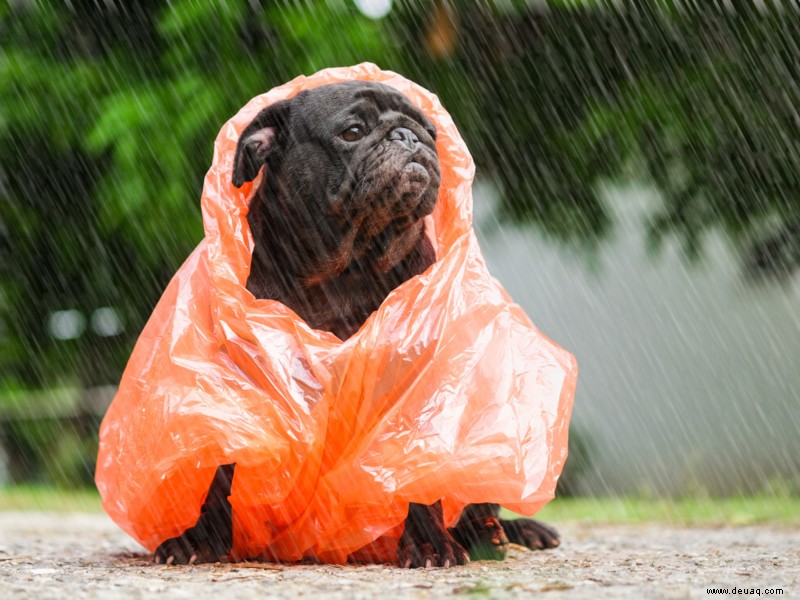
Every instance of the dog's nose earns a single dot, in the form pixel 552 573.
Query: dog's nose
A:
pixel 404 136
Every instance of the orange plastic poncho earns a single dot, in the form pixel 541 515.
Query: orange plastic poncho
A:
pixel 446 392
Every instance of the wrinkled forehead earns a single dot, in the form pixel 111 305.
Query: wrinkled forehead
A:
pixel 365 99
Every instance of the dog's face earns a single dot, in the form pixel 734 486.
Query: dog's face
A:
pixel 349 166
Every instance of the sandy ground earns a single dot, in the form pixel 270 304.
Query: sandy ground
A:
pixel 45 555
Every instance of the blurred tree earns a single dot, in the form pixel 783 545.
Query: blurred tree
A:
pixel 711 117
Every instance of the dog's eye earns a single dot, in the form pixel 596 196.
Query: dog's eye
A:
pixel 353 133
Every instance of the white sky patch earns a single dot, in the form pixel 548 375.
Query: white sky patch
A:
pixel 374 9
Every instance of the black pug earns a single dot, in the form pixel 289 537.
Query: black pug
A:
pixel 337 225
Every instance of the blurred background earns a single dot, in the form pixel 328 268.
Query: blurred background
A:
pixel 638 193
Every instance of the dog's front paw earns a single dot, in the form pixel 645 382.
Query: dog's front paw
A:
pixel 484 536
pixel 444 552
pixel 185 550
pixel 530 533
pixel 426 542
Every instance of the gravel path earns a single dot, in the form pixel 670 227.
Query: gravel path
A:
pixel 44 555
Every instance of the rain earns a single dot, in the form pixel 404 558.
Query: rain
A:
pixel 636 193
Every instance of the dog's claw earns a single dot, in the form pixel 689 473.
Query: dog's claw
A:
pixel 186 550
pixel 426 542
pixel 413 556
pixel 530 533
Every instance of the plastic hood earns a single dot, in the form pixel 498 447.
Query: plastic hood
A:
pixel 446 392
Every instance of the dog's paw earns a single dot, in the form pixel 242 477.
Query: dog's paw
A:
pixel 183 550
pixel 532 534
pixel 447 552
pixel 484 536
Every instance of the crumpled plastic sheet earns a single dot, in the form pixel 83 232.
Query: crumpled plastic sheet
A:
pixel 448 391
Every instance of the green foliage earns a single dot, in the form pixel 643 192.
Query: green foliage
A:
pixel 579 462
pixel 766 507
pixel 712 129
pixel 49 498
pixel 54 452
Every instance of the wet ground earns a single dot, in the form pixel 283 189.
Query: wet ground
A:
pixel 48 555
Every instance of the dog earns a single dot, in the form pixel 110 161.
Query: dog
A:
pixel 337 225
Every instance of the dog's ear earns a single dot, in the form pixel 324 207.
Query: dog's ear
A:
pixel 258 140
